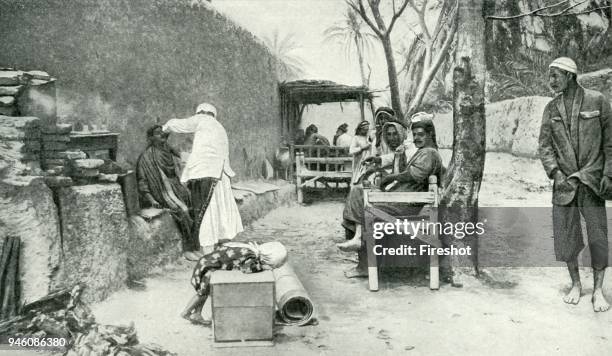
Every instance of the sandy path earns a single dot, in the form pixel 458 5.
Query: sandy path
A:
pixel 517 311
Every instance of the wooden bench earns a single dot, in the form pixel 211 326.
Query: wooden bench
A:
pixel 320 163
pixel 429 212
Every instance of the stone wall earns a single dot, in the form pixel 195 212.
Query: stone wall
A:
pixel 27 210
pixel 124 64
pixel 153 243
pixel 513 126
pixel 95 237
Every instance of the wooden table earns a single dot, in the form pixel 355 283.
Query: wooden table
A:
pixel 88 142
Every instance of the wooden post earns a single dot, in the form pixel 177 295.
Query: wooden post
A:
pixel 434 265
pixel 361 107
pixel 367 234
pixel 299 161
pixel 9 275
pixel 292 158
pixel 434 272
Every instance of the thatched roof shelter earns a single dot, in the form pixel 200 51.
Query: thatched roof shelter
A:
pixel 296 95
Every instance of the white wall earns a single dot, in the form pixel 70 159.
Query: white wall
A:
pixel 329 116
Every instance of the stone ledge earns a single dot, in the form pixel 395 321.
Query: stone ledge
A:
pixel 154 242
pixel 255 206
pixel 95 236
pixel 27 210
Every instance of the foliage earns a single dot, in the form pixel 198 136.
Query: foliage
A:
pixel 351 33
pixel 288 64
pixel 371 14
pixel 520 48
pixel 522 74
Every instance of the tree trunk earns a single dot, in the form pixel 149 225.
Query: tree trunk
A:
pixel 364 81
pixel 464 174
pixel 429 70
pixel 396 102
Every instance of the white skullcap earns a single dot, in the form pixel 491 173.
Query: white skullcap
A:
pixel 420 116
pixel 206 107
pixel 566 64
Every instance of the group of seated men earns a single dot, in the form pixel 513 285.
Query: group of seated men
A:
pixel 418 160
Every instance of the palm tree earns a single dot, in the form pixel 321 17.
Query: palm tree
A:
pixel 288 65
pixel 350 33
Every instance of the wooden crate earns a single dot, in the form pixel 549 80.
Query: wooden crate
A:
pixel 242 308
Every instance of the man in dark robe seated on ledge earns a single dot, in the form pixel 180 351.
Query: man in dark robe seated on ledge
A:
pixel 160 187
pixel 413 177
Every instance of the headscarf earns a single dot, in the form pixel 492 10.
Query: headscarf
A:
pixel 272 253
pixel 429 128
pixel 312 128
pixel 206 108
pixel 381 112
pixel 342 128
pixel 384 110
pixel 361 125
pixel 401 132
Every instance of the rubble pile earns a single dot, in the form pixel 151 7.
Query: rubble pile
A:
pixel 11 85
pixel 28 94
pixel 62 314
pixel 20 149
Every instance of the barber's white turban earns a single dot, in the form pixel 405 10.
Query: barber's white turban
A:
pixel 565 63
pixel 206 107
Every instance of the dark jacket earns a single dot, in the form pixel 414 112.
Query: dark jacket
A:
pixel 584 149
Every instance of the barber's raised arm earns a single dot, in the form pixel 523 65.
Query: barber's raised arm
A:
pixel 188 125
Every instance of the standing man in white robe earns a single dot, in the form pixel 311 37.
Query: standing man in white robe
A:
pixel 207 175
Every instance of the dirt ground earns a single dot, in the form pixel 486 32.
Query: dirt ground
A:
pixel 511 311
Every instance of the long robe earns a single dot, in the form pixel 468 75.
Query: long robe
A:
pixel 157 175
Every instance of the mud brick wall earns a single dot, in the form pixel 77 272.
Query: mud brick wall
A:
pixel 123 64
pixel 513 126
pixel 54 141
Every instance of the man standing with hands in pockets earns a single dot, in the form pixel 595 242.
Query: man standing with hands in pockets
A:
pixel 576 151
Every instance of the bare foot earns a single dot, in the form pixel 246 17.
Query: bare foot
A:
pixel 350 245
pixel 191 256
pixel 573 296
pixel 600 304
pixel 197 319
pixel 355 272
